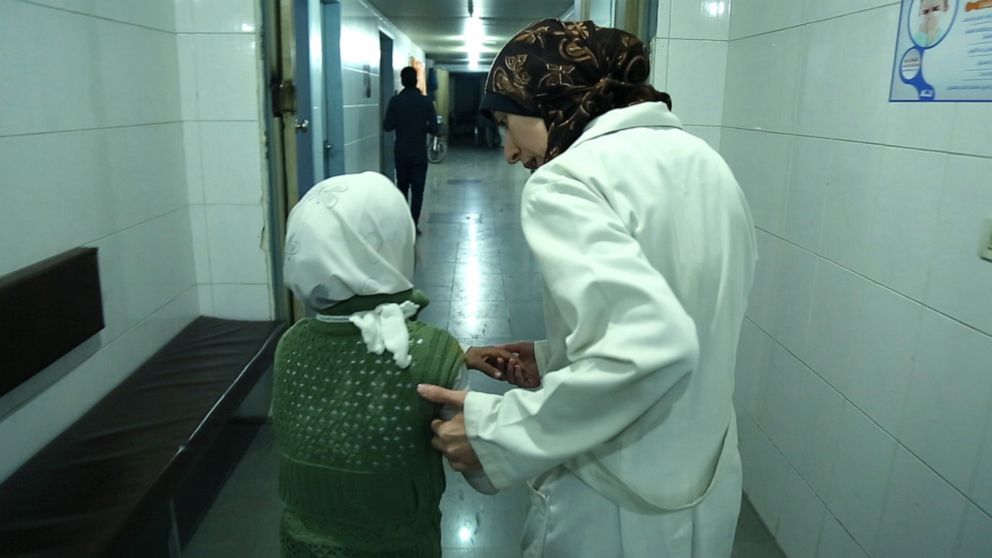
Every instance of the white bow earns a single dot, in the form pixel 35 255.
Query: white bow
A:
pixel 383 329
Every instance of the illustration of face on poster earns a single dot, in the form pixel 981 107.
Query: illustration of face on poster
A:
pixel 930 18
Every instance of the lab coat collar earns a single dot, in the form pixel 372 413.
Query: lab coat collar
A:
pixel 643 115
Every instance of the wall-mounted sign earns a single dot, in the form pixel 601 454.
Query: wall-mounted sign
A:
pixel 943 51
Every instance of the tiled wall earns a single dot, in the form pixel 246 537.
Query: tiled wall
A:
pixel 865 369
pixel 219 71
pixel 91 153
pixel 360 53
pixel 689 62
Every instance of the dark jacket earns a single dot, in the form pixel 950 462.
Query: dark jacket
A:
pixel 412 116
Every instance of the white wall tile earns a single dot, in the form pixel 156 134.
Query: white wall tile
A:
pixel 360 39
pixel 754 353
pixel 701 19
pixel 790 325
pixel 664 27
pixel 981 485
pixel 353 84
pixel 751 18
pixel 201 244
pixel 659 63
pixel 845 88
pixel 838 296
pixel 144 267
pixel 922 515
pixel 976 534
pixel 98 73
pixel 232 162
pixel 764 468
pixel 767 278
pixel 819 411
pixel 849 203
pixel 822 67
pixel 227 77
pixel 224 16
pixel 713 135
pixel 949 397
pixel 242 302
pixel 74 187
pixel 921 125
pixel 809 179
pixel 971 128
pixel 753 64
pixel 779 406
pixel 835 542
pixel 901 234
pixel 145 168
pixel 886 331
pixel 236 238
pixel 158 15
pixel 759 161
pixel 860 475
pixel 863 92
pixel 193 149
pixel 959 280
pixel 696 77
pixel 814 10
pixel 798 530
pixel 184 15
pixel 188 90
pixel 352 116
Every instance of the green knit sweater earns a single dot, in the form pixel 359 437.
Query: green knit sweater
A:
pixel 358 476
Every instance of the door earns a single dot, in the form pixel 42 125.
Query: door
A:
pixel 333 95
pixel 386 86
pixel 306 177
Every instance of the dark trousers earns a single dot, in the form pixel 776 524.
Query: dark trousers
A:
pixel 412 175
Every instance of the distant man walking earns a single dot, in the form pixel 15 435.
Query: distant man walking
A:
pixel 412 115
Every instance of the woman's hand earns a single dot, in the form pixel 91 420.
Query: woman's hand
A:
pixel 450 437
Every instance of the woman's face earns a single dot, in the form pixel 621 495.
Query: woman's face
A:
pixel 526 139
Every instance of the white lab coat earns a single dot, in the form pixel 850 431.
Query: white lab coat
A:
pixel 647 250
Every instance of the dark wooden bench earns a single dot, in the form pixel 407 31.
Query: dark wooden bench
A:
pixel 135 474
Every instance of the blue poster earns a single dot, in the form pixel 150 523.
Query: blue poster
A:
pixel 943 52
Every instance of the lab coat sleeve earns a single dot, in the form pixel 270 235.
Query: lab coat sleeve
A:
pixel 541 356
pixel 631 340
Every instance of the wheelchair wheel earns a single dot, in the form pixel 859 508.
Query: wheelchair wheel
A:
pixel 436 151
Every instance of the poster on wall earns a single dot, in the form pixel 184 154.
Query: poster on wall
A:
pixel 943 52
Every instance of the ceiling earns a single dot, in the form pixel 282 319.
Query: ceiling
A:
pixel 438 26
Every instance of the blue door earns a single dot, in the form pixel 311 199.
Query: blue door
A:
pixel 333 140
pixel 305 169
pixel 386 85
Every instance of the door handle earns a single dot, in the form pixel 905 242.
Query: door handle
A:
pixel 303 125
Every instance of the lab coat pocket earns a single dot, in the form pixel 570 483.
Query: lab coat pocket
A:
pixel 535 531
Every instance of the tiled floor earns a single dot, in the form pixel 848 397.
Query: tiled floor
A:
pixel 484 287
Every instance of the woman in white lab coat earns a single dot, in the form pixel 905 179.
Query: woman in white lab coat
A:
pixel 647 251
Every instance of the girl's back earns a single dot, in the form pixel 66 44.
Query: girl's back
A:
pixel 358 475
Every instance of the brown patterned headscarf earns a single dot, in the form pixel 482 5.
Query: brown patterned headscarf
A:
pixel 569 73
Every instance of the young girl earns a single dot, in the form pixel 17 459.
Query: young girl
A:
pixel 358 476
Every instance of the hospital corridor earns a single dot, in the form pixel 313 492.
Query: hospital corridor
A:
pixel 315 278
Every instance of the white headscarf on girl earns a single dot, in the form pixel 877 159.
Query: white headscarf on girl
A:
pixel 352 235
